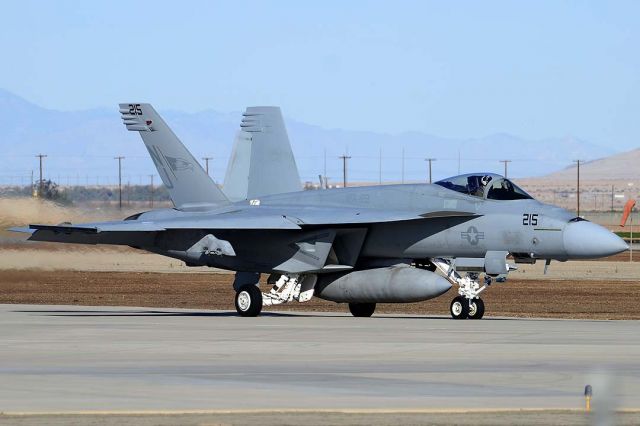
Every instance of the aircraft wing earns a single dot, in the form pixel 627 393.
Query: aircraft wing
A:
pixel 248 219
pixel 269 218
pixel 223 221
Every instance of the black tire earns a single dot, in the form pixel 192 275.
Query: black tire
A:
pixel 249 301
pixel 476 310
pixel 362 309
pixel 459 308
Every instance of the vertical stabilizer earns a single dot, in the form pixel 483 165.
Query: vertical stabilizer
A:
pixel 188 184
pixel 262 162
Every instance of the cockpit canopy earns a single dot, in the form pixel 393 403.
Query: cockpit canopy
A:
pixel 485 185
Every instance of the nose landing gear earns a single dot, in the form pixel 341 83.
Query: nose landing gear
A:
pixel 459 308
pixel 467 305
pixel 463 308
pixel 476 309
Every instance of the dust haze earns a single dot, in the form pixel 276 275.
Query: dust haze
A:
pixel 23 211
pixel 19 254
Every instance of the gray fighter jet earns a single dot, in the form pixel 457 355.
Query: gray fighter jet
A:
pixel 361 245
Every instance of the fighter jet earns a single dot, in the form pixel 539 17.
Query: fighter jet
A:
pixel 360 245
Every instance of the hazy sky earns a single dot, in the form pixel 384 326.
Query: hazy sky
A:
pixel 451 68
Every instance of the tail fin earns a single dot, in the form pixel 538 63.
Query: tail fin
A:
pixel 262 162
pixel 188 184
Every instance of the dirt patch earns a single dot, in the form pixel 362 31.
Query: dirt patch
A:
pixel 594 299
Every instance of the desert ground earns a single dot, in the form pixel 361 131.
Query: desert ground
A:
pixel 548 298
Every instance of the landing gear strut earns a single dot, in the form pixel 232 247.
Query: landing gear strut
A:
pixel 467 305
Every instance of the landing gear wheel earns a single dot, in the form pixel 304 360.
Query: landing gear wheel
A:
pixel 459 308
pixel 362 309
pixel 249 301
pixel 476 309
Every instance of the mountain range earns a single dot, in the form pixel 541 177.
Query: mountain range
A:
pixel 80 146
pixel 622 166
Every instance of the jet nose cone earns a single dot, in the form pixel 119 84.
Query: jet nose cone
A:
pixel 587 240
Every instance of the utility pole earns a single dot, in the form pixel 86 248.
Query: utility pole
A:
pixel 119 158
pixel 578 186
pixel 40 185
pixel 151 190
pixel 612 198
pixel 206 162
pixel 430 160
pixel 505 166
pixel 344 170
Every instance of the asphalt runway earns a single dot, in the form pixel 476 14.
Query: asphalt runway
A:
pixel 56 359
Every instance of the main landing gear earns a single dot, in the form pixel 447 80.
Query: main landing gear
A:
pixel 362 309
pixel 286 288
pixel 249 301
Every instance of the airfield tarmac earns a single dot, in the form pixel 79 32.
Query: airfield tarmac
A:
pixel 98 360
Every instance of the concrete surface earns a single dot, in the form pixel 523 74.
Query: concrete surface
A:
pixel 76 359
pixel 324 418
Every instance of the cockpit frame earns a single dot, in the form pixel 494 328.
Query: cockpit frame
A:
pixel 488 186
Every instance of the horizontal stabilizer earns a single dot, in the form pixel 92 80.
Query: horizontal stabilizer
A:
pixel 22 230
pixel 95 228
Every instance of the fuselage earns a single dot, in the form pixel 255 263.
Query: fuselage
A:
pixel 525 228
